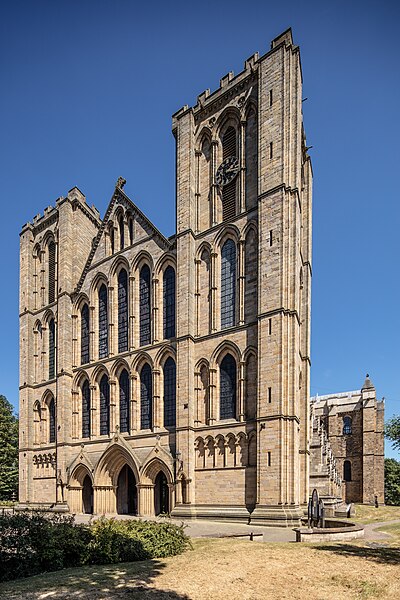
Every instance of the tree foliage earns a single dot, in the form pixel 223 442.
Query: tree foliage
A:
pixel 8 451
pixel 392 481
pixel 392 431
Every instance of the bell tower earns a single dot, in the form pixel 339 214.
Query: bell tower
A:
pixel 243 172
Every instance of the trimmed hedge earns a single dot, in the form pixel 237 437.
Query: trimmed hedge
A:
pixel 36 542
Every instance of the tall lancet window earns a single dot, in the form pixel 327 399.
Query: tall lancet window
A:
pixel 52 271
pixel 229 148
pixel 169 302
pixel 85 409
pixel 145 314
pixel 52 349
pixel 121 232
pixel 228 284
pixel 52 421
pixel 169 393
pixel 104 406
pixel 227 400
pixel 146 398
pixel 103 322
pixel 84 334
pixel 122 311
pixel 124 401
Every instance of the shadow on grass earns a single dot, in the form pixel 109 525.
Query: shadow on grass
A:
pixel 381 554
pixel 119 581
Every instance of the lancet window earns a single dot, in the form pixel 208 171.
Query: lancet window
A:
pixel 124 412
pixel 169 302
pixel 104 406
pixel 122 311
pixel 103 322
pixel 228 284
pixel 145 315
pixel 52 271
pixel 85 409
pixel 52 348
pixel 229 148
pixel 52 421
pixel 146 398
pixel 228 388
pixel 169 393
pixel 84 334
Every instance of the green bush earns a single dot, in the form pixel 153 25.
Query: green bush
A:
pixel 35 542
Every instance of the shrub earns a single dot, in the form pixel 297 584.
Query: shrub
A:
pixel 35 542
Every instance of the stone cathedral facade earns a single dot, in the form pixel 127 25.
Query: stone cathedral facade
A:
pixel 172 374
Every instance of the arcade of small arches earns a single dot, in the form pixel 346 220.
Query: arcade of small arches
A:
pixel 231 450
pixel 119 485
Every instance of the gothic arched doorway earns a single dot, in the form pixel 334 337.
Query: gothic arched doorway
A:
pixel 126 492
pixel 161 494
pixel 87 496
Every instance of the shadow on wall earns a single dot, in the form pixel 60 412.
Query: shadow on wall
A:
pixel 92 582
pixel 382 554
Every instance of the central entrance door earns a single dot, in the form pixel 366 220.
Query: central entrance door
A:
pixel 161 494
pixel 126 492
pixel 87 496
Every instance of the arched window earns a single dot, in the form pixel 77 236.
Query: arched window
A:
pixel 228 284
pixel 52 348
pixel 52 421
pixel 112 237
pixel 84 334
pixel 347 470
pixel 229 148
pixel 346 425
pixel 169 393
pixel 122 311
pixel 146 398
pixel 103 322
pixel 37 416
pixel 52 271
pixel 104 406
pixel 131 229
pixel 169 303
pixel 144 291
pixel 227 394
pixel 124 412
pixel 85 409
pixel 121 232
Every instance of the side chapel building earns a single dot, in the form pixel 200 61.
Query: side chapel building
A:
pixel 172 374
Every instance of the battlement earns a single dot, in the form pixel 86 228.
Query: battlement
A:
pixel 230 80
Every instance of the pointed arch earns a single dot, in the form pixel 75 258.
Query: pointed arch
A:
pixel 228 387
pixel 145 305
pixel 86 408
pixel 169 291
pixel 228 283
pixel 104 388
pixel 103 320
pixel 169 372
pixel 124 401
pixel 113 459
pixel 146 397
pixel 123 310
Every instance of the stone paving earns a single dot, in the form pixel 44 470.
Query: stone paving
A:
pixel 215 529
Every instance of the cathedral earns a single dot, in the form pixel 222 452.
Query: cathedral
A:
pixel 171 375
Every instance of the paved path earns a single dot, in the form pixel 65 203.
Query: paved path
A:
pixel 205 528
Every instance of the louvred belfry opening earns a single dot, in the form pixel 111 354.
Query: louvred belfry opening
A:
pixel 229 191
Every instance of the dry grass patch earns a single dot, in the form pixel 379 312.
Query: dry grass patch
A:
pixel 236 569
pixel 370 514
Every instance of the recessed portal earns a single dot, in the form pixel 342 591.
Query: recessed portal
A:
pixel 161 494
pixel 87 496
pixel 126 492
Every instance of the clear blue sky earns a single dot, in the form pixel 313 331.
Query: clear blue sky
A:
pixel 88 90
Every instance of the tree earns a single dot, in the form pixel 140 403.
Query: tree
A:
pixel 392 481
pixel 392 431
pixel 8 450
